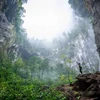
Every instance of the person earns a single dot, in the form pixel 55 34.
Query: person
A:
pixel 80 67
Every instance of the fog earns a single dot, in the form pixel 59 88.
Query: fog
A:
pixel 48 49
pixel 47 19
pixel 60 39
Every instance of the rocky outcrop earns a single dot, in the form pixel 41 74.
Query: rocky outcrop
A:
pixel 7 33
pixel 88 86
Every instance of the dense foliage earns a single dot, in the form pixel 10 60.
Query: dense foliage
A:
pixel 16 84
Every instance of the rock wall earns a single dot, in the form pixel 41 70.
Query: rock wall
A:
pixel 7 38
pixel 96 23
pixel 94 6
pixel 88 9
pixel 11 31
pixel 7 34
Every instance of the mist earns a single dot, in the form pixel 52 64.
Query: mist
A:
pixel 60 38
pixel 49 18
pixel 49 49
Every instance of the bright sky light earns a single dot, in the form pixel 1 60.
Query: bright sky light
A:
pixel 47 18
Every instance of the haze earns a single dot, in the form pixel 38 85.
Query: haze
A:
pixel 47 19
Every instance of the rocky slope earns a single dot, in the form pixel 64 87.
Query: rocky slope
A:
pixel 86 87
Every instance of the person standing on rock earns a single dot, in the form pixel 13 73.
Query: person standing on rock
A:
pixel 80 68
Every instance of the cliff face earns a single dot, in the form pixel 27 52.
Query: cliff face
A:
pixel 94 6
pixel 7 38
pixel 7 34
pixel 11 31
pixel 86 9
pixel 96 23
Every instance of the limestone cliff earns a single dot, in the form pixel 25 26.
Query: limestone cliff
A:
pixel 10 27
pixel 89 8
pixel 7 33
pixel 96 22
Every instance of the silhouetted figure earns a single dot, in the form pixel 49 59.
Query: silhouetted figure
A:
pixel 80 67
